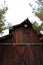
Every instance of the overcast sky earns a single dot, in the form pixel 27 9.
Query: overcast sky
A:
pixel 19 10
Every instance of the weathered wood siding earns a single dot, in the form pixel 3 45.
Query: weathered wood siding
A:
pixel 21 55
pixel 23 35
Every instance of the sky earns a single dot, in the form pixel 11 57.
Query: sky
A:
pixel 19 10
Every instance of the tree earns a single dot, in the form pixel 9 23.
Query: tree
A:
pixel 37 27
pixel 2 18
pixel 38 11
pixel 38 8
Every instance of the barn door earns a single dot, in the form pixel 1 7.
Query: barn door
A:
pixel 15 55
pixel 21 55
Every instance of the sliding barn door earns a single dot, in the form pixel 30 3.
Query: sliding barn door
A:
pixel 21 55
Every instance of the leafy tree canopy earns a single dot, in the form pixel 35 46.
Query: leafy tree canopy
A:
pixel 37 9
pixel 2 18
pixel 37 27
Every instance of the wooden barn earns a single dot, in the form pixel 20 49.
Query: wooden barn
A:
pixel 21 54
pixel 22 33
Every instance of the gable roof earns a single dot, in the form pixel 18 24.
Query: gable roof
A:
pixel 25 22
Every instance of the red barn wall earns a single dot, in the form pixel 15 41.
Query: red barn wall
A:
pixel 21 55
pixel 23 35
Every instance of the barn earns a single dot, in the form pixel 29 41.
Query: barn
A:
pixel 19 49
pixel 22 33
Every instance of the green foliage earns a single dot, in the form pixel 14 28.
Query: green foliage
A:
pixel 2 18
pixel 10 26
pixel 38 10
pixel 37 27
